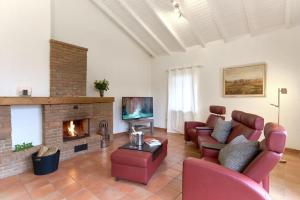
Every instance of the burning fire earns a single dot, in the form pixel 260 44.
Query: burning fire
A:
pixel 71 129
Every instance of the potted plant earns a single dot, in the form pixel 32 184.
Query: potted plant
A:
pixel 101 85
pixel 24 146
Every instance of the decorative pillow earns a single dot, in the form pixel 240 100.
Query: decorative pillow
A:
pixel 238 153
pixel 239 139
pixel 221 130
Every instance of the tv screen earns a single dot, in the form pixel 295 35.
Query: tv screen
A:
pixel 137 107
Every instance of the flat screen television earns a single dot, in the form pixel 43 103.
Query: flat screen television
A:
pixel 137 107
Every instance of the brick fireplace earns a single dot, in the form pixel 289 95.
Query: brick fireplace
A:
pixel 57 121
pixel 70 121
pixel 56 111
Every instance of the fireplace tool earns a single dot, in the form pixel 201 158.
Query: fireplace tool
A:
pixel 104 135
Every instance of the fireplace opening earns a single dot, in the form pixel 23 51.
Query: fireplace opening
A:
pixel 75 129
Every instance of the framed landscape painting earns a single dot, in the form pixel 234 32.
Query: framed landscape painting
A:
pixel 246 80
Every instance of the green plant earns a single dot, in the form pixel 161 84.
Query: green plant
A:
pixel 21 147
pixel 101 85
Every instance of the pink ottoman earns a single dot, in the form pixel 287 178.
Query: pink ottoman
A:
pixel 137 166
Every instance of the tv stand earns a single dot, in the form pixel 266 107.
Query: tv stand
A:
pixel 142 124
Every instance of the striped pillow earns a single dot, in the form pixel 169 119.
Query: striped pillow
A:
pixel 238 153
pixel 221 130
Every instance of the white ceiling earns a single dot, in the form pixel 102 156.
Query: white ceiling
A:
pixel 157 28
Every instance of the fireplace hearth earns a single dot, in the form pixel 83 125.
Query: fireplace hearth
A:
pixel 75 129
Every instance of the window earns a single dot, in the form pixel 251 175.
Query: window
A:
pixel 182 97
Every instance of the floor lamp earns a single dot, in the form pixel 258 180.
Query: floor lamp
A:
pixel 280 91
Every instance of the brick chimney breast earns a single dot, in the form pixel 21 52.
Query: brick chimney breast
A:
pixel 68 69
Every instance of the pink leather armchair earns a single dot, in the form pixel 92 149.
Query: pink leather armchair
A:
pixel 249 125
pixel 191 128
pixel 207 179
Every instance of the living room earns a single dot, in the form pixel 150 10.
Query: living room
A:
pixel 139 47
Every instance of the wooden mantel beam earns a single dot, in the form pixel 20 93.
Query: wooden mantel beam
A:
pixel 6 101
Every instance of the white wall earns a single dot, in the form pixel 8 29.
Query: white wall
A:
pixel 112 54
pixel 280 50
pixel 24 49
pixel 24 61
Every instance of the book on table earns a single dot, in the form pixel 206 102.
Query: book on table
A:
pixel 152 142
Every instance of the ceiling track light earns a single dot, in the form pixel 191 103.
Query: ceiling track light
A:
pixel 177 8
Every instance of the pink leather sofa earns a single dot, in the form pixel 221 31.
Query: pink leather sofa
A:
pixel 206 179
pixel 249 125
pixel 191 128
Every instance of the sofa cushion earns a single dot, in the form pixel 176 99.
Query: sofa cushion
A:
pixel 221 130
pixel 206 139
pixel 212 120
pixel 219 110
pixel 238 154
pixel 239 139
pixel 252 121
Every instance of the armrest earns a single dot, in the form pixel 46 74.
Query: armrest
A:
pixel 194 124
pixel 204 128
pixel 213 146
pixel 190 125
pixel 206 180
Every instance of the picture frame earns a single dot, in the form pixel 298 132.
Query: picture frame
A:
pixel 245 80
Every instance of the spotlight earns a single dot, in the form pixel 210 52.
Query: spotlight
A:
pixel 177 7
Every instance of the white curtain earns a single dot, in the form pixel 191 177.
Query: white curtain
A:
pixel 183 98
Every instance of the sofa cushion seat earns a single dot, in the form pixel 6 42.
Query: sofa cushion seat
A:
pixel 206 151
pixel 206 139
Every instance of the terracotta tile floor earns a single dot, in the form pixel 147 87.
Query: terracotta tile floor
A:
pixel 87 177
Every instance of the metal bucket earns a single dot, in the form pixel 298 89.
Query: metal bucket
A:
pixel 140 139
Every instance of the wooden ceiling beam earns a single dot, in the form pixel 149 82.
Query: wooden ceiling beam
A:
pixel 248 18
pixel 144 26
pixel 166 26
pixel 216 20
pixel 190 20
pixel 103 8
